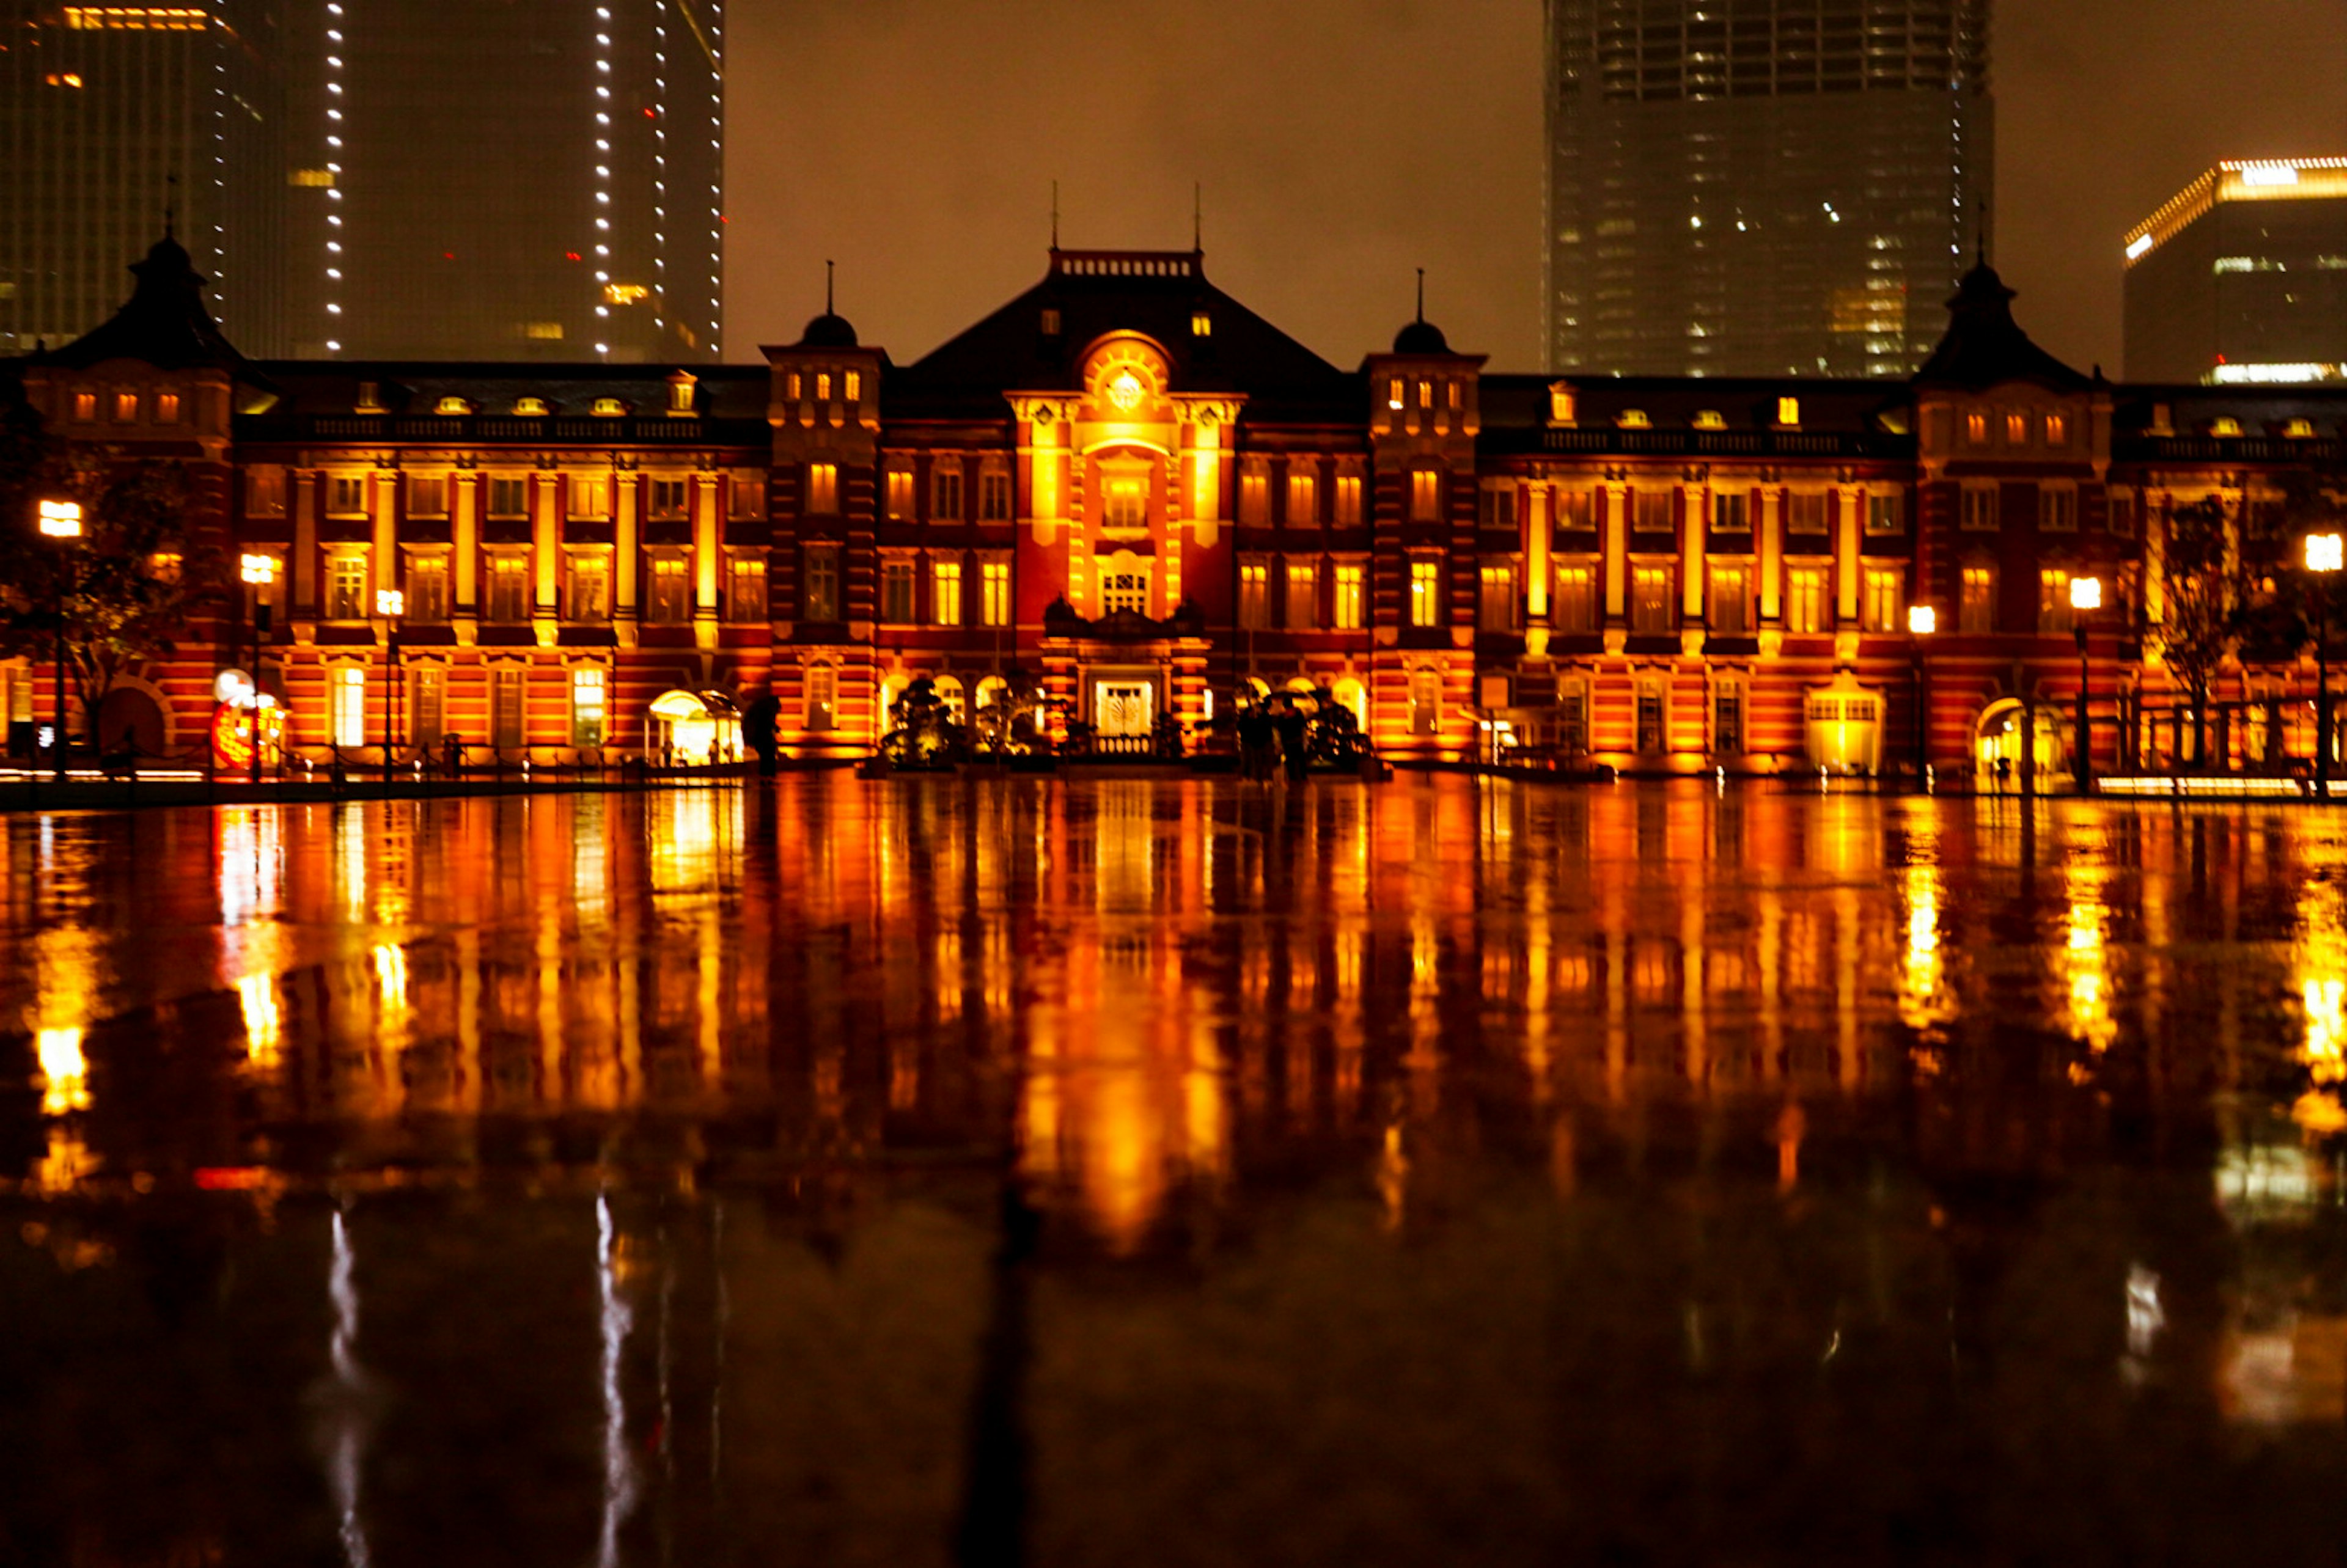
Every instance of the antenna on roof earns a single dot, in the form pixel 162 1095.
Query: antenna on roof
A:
pixel 171 204
pixel 1421 293
pixel 1055 215
pixel 826 288
pixel 1197 218
pixel 1980 234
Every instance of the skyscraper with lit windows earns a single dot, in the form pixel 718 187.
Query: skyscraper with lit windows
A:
pixel 111 114
pixel 538 180
pixel 1762 187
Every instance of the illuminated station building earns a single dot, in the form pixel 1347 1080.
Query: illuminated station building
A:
pixel 2241 279
pixel 1127 491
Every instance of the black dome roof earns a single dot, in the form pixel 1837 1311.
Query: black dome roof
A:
pixel 829 330
pixel 1421 336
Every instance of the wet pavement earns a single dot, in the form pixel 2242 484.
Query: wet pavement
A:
pixel 936 1171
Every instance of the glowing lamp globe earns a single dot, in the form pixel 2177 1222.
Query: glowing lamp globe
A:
pixel 2086 593
pixel 61 519
pixel 2325 552
pixel 1922 621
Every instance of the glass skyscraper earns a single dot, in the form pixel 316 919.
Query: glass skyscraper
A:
pixel 532 179
pixel 1762 187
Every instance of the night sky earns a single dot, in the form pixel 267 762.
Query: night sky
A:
pixel 1341 143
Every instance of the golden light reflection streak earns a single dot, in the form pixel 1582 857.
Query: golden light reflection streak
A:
pixel 2085 959
pixel 2322 994
pixel 1925 1000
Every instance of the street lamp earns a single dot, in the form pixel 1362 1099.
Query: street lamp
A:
pixel 259 572
pixel 2086 597
pixel 2324 555
pixel 1922 621
pixel 389 603
pixel 60 521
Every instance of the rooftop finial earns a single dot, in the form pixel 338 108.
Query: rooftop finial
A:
pixel 1197 217
pixel 826 290
pixel 170 206
pixel 1980 234
pixel 1055 215
pixel 1421 293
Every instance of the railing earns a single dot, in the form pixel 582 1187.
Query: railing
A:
pixel 1124 263
pixel 614 431
pixel 1123 746
pixel 1729 443
pixel 2227 449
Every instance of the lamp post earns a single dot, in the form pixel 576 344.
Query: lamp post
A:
pixel 2086 597
pixel 1922 621
pixel 389 603
pixel 259 572
pixel 60 521
pixel 2325 553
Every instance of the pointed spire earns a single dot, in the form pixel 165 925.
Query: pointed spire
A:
pixel 1980 234
pixel 171 205
pixel 1421 293
pixel 1055 215
pixel 1198 217
pixel 828 309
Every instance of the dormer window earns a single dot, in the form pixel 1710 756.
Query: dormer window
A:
pixel 851 387
pixel 530 407
pixel 126 408
pixel 2016 430
pixel 167 408
pixel 1635 419
pixel 680 391
pixel 609 408
pixel 1051 320
pixel 1976 429
pixel 2299 430
pixel 1711 419
pixel 1200 325
pixel 2057 430
pixel 794 386
pixel 1561 404
pixel 452 408
pixel 1789 411
pixel 370 398
pixel 86 406
pixel 2163 420
pixel 2225 427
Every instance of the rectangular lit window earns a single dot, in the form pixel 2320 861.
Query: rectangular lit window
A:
pixel 588 591
pixel 587 707
pixel 428 494
pixel 1425 702
pixel 427 697
pixel 668 596
pixel 1881 600
pixel 1575 609
pixel 86 406
pixel 993 497
pixel 1495 609
pixel 1124 502
pixel 2057 509
pixel 509 497
pixel 508 714
pixel 2054 615
pixel 1254 498
pixel 1653 609
pixel 167 408
pixel 1981 509
pixel 590 496
pixel 823 386
pixel 1393 393
pixel 2057 430
pixel 821 489
pixel 1731 599
pixel 745 590
pixel 945 592
pixel 2016 430
pixel 509 595
pixel 346 496
pixel 1124 592
pixel 1426 593
pixel 1350 608
pixel 346 583
pixel 264 493
pixel 1728 718
pixel 994 595
pixel 1806 514
pixel 126 407
pixel 896 593
pixel 1976 429
pixel 1425 496
pixel 1348 500
pixel 1303 499
pixel 668 500
pixel 1303 596
pixel 1730 512
pixel 1496 509
pixel 821 696
pixel 944 491
pixel 819 585
pixel 1789 411
pixel 1652 511
pixel 1805 600
pixel 851 387
pixel 427 588
pixel 1577 511
pixel 1884 512
pixel 350 706
pixel 901 495
pixel 1254 596
pixel 1976 613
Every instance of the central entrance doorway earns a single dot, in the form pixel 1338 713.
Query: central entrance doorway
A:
pixel 1123 708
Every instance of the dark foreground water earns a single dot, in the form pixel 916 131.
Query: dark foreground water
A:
pixel 1122 1174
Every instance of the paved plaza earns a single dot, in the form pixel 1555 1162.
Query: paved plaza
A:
pixel 1018 1170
